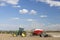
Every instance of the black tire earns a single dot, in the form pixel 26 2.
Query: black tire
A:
pixel 44 35
pixel 41 35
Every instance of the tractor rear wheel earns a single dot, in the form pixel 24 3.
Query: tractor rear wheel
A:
pixel 23 34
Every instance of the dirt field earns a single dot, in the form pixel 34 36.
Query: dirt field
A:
pixel 10 37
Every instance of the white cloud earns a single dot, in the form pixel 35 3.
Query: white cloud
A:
pixel 33 12
pixel 50 2
pixel 16 18
pixel 43 16
pixel 13 2
pixel 16 6
pixel 23 11
pixel 30 20
pixel 2 4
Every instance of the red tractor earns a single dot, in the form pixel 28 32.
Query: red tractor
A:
pixel 39 32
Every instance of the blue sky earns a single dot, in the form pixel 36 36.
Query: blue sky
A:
pixel 30 14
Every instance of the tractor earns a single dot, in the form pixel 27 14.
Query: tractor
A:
pixel 20 32
pixel 39 32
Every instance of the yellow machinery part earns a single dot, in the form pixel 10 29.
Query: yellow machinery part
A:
pixel 23 35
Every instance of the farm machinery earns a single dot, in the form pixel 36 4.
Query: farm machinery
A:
pixel 35 32
pixel 39 32
pixel 20 32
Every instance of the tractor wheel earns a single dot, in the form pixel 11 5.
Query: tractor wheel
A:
pixel 14 35
pixel 23 34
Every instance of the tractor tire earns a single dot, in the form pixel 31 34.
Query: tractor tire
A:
pixel 23 34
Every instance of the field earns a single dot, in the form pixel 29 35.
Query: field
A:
pixel 10 37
